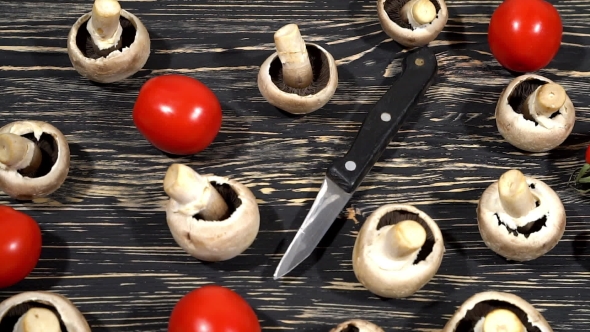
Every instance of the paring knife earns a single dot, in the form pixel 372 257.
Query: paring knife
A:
pixel 346 174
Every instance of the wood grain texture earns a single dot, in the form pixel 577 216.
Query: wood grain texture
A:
pixel 106 243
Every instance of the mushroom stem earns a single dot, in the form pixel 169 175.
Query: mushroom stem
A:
pixel 419 12
pixel 543 102
pixel 104 26
pixel 405 238
pixel 516 197
pixel 297 72
pixel 187 187
pixel 19 153
pixel 502 320
pixel 38 320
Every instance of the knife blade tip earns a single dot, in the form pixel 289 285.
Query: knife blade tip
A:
pixel 278 273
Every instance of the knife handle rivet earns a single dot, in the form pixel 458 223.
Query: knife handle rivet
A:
pixel 385 117
pixel 419 62
pixel 350 166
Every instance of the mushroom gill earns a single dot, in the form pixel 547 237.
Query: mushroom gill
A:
pixel 531 227
pixel 393 8
pixel 518 98
pixel 49 152
pixel 12 316
pixel 319 66
pixel 230 197
pixel 86 46
pixel 483 308
pixel 350 328
pixel 397 216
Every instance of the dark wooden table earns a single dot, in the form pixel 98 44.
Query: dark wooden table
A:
pixel 106 243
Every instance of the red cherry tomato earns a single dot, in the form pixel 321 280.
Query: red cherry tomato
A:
pixel 213 308
pixel 588 155
pixel 525 35
pixel 177 114
pixel 20 245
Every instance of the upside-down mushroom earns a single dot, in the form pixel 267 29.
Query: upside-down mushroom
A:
pixel 34 159
pixel 534 114
pixel 398 250
pixel 212 218
pixel 356 325
pixel 40 311
pixel 519 217
pixel 412 23
pixel 496 312
pixel 298 78
pixel 108 44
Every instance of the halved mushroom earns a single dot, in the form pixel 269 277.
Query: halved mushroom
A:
pixel 34 159
pixel 398 250
pixel 41 312
pixel 534 114
pixel 496 311
pixel 212 218
pixel 108 44
pixel 299 78
pixel 356 325
pixel 412 23
pixel 519 217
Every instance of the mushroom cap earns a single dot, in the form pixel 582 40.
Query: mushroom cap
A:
pixel 25 188
pixel 525 134
pixel 72 318
pixel 394 283
pixel 361 325
pixel 534 317
pixel 519 247
pixel 216 240
pixel 417 37
pixel 292 102
pixel 119 64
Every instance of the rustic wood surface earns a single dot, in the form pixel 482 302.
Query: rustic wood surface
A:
pixel 106 243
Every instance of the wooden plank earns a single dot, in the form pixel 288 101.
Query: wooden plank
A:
pixel 106 243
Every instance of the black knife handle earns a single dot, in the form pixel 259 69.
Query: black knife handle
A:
pixel 383 121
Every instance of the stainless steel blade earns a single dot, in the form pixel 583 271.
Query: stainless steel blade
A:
pixel 326 207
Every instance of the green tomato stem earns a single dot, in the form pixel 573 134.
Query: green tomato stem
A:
pixel 582 173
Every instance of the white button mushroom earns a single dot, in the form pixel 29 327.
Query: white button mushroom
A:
pixel 412 23
pixel 494 312
pixel 212 218
pixel 519 217
pixel 534 114
pixel 42 312
pixel 108 44
pixel 398 250
pixel 299 78
pixel 356 325
pixel 34 159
